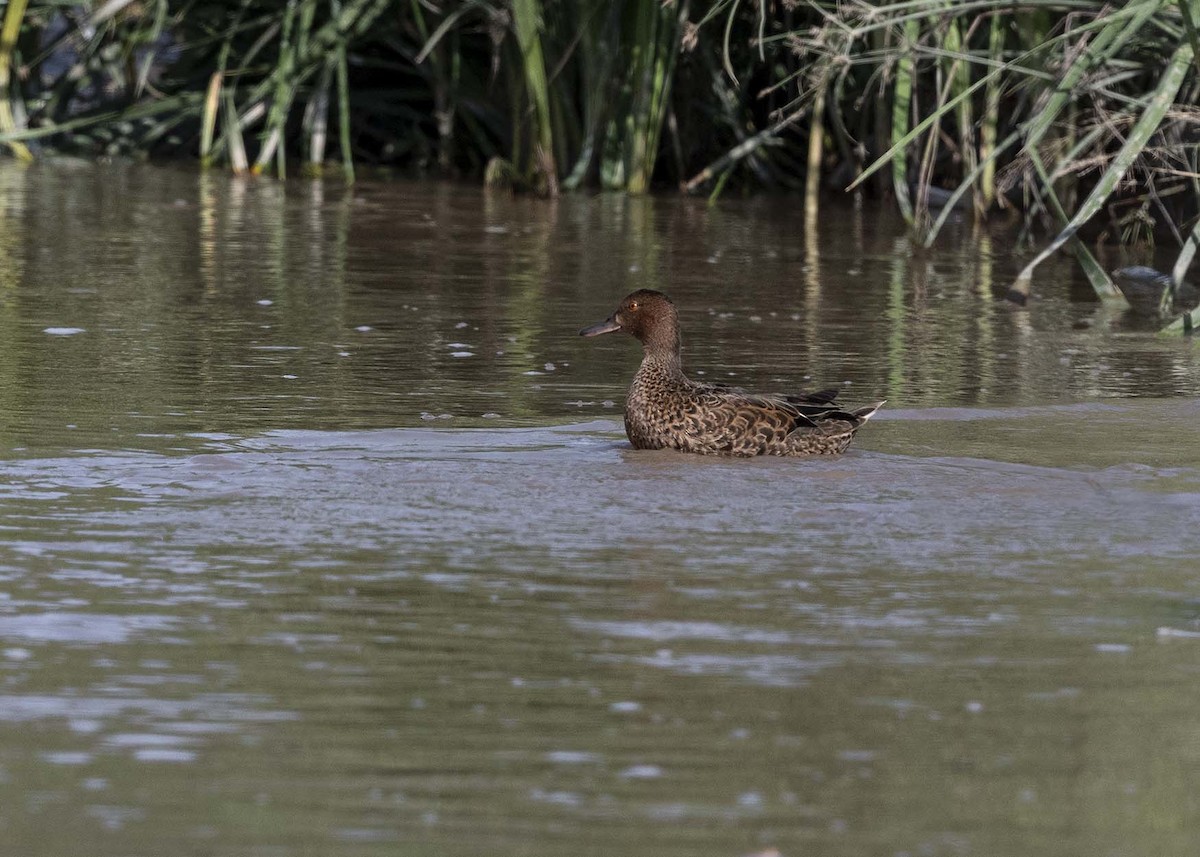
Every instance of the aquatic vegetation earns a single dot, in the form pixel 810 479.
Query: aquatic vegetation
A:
pixel 1078 115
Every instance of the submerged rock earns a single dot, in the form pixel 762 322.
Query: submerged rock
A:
pixel 1152 292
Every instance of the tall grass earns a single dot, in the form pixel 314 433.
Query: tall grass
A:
pixel 9 30
pixel 1078 115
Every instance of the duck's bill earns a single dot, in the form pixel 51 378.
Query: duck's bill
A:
pixel 609 325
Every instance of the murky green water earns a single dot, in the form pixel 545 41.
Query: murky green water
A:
pixel 321 537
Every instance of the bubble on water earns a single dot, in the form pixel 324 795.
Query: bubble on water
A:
pixel 363 834
pixel 115 817
pixel 462 353
pixel 625 707
pixel 364 328
pixel 159 754
pixel 1165 632
pixel 557 797
pixel 856 755
pixel 63 331
pixel 641 772
pixel 460 325
pixel 67 757
pixel 265 302
pixel 571 757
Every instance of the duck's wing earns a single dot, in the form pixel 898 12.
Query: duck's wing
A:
pixel 724 421
pixel 818 398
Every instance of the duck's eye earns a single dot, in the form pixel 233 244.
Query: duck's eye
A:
pixel 633 305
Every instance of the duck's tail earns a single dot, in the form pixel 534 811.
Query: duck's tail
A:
pixel 864 414
pixel 828 433
pixel 839 420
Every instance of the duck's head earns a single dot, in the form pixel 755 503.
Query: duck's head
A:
pixel 648 315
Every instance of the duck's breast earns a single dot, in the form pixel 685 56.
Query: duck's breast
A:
pixel 656 414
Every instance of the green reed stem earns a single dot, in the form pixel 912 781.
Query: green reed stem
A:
pixel 14 14
pixel 527 22
pixel 901 105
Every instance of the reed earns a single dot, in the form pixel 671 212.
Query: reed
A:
pixel 1073 113
pixel 655 45
pixel 14 12
pixel 527 22
pixel 901 113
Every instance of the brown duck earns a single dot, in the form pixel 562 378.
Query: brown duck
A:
pixel 666 410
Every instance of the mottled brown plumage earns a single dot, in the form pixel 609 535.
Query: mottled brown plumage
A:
pixel 664 409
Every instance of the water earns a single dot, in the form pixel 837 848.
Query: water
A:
pixel 321 536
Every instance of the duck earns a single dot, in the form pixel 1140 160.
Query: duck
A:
pixel 664 409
